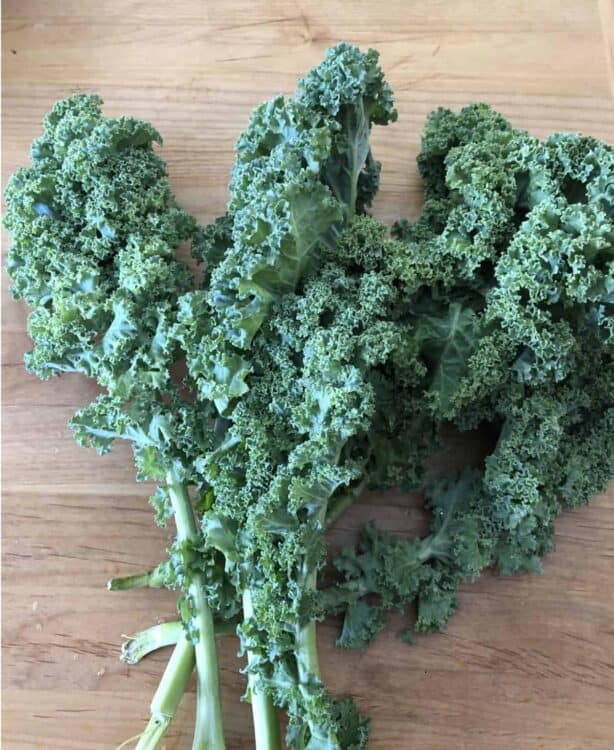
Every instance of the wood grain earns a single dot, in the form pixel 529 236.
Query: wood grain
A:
pixel 527 662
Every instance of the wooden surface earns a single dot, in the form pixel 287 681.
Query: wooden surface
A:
pixel 528 662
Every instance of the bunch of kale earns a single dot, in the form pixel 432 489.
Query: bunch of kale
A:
pixel 323 356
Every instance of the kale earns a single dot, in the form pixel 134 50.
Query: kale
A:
pixel 322 353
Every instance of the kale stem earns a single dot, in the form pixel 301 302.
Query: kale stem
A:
pixel 306 646
pixel 137 646
pixel 152 578
pixel 266 721
pixel 340 503
pixel 307 652
pixel 307 661
pixel 208 733
pixel 143 643
pixel 168 695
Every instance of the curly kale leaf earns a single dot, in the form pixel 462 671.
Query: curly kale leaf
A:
pixel 446 343
pixel 555 279
pixel 510 296
pixel 94 227
pixel 307 429
pixel 303 169
pixel 398 572
pixel 350 87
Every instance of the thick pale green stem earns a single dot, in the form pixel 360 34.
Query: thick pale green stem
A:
pixel 306 644
pixel 152 578
pixel 137 646
pixel 168 695
pixel 267 735
pixel 208 734
pixel 340 503
pixel 157 636
pixel 306 647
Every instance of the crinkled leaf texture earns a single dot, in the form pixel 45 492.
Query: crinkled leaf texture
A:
pixel 303 169
pixel 510 292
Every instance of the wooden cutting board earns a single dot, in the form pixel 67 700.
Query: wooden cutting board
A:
pixel 528 662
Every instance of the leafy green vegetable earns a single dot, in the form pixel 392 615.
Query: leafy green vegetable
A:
pixel 303 168
pixel 516 331
pixel 94 255
pixel 322 356
pixel 265 348
pixel 295 439
pixel 95 228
